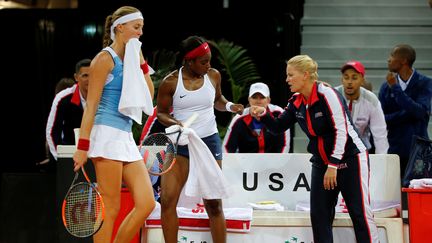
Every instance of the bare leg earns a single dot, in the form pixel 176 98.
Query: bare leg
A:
pixel 171 186
pixel 109 178
pixel 216 217
pixel 217 220
pixel 136 177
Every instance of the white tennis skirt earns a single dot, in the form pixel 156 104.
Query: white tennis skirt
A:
pixel 112 143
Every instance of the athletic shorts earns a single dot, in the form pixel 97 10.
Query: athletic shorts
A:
pixel 213 142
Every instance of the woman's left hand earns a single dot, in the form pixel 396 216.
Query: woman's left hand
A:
pixel 330 178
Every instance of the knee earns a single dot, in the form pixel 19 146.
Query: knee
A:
pixel 112 209
pixel 214 207
pixel 145 206
pixel 167 201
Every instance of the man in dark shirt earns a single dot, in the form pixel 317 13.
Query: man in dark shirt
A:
pixel 406 101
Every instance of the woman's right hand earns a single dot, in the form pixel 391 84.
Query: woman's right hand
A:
pixel 79 158
pixel 257 111
pixel 330 178
pixel 391 78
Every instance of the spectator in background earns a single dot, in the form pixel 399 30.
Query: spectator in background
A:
pixel 67 109
pixel 246 134
pixel 364 106
pixel 64 83
pixel 406 101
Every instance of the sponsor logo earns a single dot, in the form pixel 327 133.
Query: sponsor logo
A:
pixel 342 166
pixel 294 239
pixel 184 239
pixel 182 96
pixel 299 115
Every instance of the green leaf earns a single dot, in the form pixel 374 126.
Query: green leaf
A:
pixel 238 67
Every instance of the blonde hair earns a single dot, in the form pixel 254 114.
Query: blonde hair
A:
pixel 305 63
pixel 122 11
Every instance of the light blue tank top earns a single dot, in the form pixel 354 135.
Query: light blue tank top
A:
pixel 107 112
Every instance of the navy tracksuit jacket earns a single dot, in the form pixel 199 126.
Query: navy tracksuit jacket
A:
pixel 333 140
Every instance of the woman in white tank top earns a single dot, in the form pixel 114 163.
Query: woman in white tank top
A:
pixel 195 87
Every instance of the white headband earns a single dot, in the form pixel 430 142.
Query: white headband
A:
pixel 125 19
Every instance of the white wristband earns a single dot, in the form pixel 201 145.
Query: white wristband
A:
pixel 228 106
pixel 332 166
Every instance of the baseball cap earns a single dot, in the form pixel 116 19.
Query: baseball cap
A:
pixel 356 65
pixel 261 88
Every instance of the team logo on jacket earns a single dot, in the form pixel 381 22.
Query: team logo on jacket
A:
pixel 318 114
pixel 299 115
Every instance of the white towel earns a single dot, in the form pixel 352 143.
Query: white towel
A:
pixel 237 219
pixel 205 178
pixel 425 183
pixel 135 96
pixel 199 213
pixel 273 206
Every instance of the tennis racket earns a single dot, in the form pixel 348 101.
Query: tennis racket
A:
pixel 83 209
pixel 159 151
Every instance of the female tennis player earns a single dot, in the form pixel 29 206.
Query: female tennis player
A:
pixel 105 133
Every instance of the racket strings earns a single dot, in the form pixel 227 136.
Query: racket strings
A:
pixel 158 152
pixel 83 210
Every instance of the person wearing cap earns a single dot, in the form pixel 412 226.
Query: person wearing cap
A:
pixel 106 136
pixel 364 106
pixel 195 87
pixel 405 97
pixel 340 161
pixel 246 134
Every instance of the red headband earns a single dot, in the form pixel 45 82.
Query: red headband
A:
pixel 201 50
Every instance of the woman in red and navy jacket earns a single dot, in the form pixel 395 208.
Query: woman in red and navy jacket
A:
pixel 340 162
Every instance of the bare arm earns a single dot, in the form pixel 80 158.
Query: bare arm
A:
pixel 165 99
pixel 150 85
pixel 147 77
pixel 100 67
pixel 220 101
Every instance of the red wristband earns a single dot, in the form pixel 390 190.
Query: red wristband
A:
pixel 145 67
pixel 83 144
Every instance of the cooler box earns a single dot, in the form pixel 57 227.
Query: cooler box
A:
pixel 419 214
pixel 126 205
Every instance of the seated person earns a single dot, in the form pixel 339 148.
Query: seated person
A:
pixel 245 134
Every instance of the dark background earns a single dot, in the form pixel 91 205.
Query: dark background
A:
pixel 40 46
